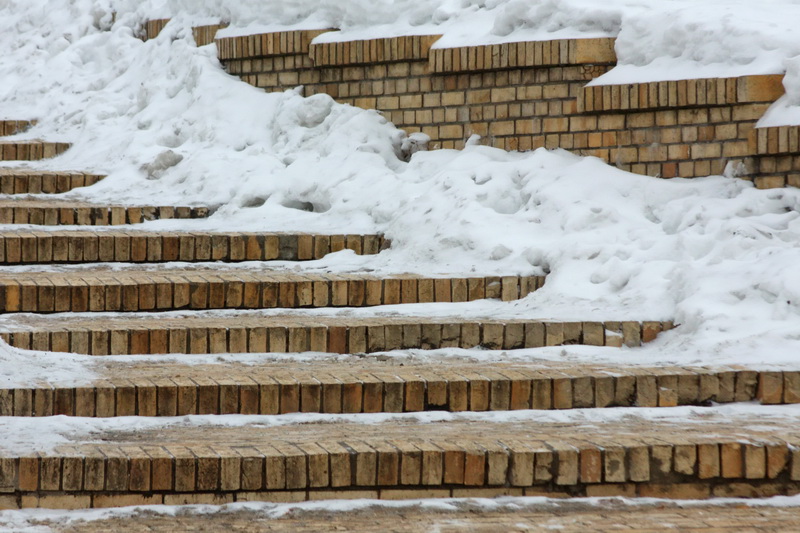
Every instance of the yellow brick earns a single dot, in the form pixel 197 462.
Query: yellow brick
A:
pixel 507 94
pixel 599 50
pixel 453 98
pixel 453 131
pixel 766 88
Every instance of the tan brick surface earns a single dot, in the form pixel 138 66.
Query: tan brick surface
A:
pixel 521 516
pixel 30 150
pixel 542 455
pixel 27 246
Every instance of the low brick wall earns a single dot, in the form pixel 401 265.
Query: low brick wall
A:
pixel 778 159
pixel 521 96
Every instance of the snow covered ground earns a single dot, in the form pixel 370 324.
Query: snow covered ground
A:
pixel 168 125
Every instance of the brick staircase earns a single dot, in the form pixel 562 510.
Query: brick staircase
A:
pixel 69 298
pixel 215 302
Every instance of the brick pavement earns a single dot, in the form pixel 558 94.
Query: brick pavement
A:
pixel 563 517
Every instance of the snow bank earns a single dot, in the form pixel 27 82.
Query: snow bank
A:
pixel 169 126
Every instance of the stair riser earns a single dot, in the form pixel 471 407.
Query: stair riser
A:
pixel 95 216
pixel 400 470
pixel 346 393
pixel 27 247
pixel 53 294
pixel 12 127
pixel 370 336
pixel 44 183
pixel 31 150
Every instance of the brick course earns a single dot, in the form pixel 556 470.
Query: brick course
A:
pixel 69 246
pixel 67 212
pixel 30 150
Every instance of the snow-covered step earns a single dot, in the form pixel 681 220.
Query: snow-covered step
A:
pixel 24 181
pixel 11 127
pixel 30 150
pixel 684 452
pixel 115 245
pixel 164 288
pixel 251 332
pixel 168 388
pixel 52 212
pixel 677 94
pixel 777 160
pixel 457 515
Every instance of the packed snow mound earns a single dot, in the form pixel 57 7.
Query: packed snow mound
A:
pixel 168 126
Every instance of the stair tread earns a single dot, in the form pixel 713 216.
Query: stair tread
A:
pixel 698 451
pixel 511 515
pixel 104 372
pixel 245 319
pixel 540 430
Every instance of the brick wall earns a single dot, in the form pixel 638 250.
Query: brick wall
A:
pixel 522 96
pixel 778 159
pixel 448 94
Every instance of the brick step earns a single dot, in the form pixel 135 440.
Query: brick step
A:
pixel 256 333
pixel 368 386
pixel 123 245
pixel 677 94
pixel 518 514
pixel 12 127
pixel 684 454
pixel 33 150
pixel 165 289
pixel 67 212
pixel 22 181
